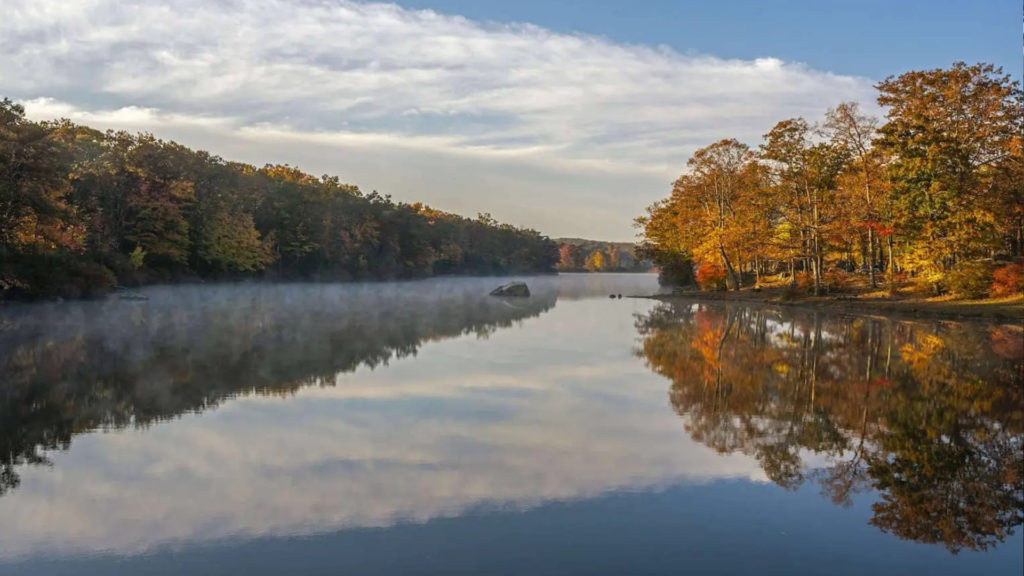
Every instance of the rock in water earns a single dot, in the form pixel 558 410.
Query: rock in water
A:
pixel 517 289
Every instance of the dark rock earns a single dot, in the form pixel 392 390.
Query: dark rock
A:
pixel 512 289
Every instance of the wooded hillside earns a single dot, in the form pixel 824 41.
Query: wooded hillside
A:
pixel 82 211
pixel 579 255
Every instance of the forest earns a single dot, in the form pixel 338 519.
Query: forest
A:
pixel 84 211
pixel 581 255
pixel 929 200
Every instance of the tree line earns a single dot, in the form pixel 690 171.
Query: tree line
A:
pixel 933 195
pixel 82 211
pixel 580 255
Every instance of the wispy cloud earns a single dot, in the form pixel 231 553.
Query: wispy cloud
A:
pixel 344 75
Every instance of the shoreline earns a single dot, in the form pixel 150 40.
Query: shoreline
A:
pixel 1009 310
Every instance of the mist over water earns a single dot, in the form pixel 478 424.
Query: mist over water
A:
pixel 426 427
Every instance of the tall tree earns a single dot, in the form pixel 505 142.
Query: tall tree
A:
pixel 35 218
pixel 951 132
pixel 710 197
pixel 854 131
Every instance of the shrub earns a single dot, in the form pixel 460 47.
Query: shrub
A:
pixel 91 279
pixel 676 271
pixel 898 279
pixel 747 278
pixel 931 281
pixel 66 275
pixel 788 293
pixel 838 280
pixel 805 281
pixel 1007 280
pixel 711 276
pixel 137 257
pixel 970 279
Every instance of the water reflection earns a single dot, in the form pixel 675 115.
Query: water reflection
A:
pixel 928 414
pixel 555 409
pixel 75 367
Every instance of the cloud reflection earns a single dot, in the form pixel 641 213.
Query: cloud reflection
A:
pixel 555 409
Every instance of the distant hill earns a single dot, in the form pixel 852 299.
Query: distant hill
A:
pixel 583 255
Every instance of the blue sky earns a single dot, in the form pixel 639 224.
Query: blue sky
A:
pixel 873 38
pixel 570 117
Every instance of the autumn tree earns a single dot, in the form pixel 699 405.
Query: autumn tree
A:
pixel 35 218
pixel 804 177
pixel 568 257
pixel 163 193
pixel 667 243
pixel 708 199
pixel 597 261
pixel 954 136
pixel 862 182
pixel 613 257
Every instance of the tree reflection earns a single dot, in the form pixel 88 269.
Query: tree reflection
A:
pixel 72 368
pixel 928 414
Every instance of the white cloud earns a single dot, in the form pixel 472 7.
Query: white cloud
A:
pixel 501 108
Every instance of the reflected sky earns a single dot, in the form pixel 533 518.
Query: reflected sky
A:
pixel 464 421
pixel 428 414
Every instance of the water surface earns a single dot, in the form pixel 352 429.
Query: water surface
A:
pixel 426 428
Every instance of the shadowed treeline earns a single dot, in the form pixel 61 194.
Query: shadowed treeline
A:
pixel 929 414
pixel 82 211
pixel 75 367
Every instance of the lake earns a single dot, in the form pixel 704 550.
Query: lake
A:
pixel 428 428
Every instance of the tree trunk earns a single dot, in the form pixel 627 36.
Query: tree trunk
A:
pixel 891 271
pixel 816 246
pixel 871 259
pixel 816 262
pixel 863 251
pixel 728 268
pixel 1019 249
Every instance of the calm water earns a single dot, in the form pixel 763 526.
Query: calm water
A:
pixel 426 428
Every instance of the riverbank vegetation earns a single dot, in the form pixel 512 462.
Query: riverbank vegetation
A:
pixel 82 211
pixel 929 202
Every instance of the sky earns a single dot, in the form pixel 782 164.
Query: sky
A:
pixel 569 117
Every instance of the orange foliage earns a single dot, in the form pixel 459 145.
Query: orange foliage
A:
pixel 1007 280
pixel 804 281
pixel 838 280
pixel 711 276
